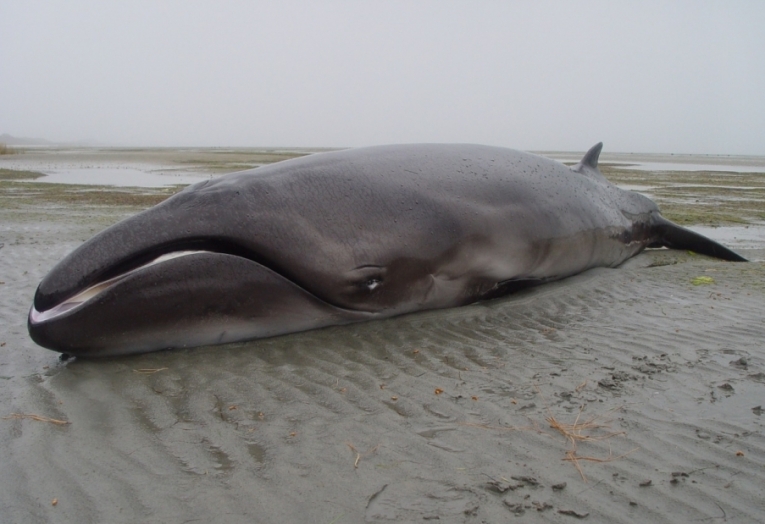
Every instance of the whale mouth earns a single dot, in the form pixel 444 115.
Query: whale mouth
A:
pixel 94 290
pixel 52 299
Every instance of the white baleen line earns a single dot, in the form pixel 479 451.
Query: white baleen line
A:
pixel 96 289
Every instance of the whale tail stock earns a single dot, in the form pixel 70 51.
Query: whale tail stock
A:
pixel 677 237
pixel 669 234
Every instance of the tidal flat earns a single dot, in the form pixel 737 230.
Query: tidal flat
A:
pixel 632 394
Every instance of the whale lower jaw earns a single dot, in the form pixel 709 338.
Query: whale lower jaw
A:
pixel 212 298
pixel 91 292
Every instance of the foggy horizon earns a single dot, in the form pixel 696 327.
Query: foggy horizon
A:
pixel 654 77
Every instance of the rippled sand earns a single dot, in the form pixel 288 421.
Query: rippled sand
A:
pixel 440 415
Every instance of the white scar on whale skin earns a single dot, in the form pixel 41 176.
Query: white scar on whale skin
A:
pixel 96 289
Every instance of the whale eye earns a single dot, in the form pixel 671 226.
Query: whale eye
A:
pixel 368 278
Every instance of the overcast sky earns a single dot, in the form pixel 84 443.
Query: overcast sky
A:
pixel 665 76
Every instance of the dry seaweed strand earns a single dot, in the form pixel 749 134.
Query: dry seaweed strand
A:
pixel 574 433
pixel 149 371
pixel 359 455
pixel 37 418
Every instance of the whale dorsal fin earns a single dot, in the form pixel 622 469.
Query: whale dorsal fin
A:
pixel 589 162
pixel 590 158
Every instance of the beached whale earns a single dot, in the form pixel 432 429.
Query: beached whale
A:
pixel 341 237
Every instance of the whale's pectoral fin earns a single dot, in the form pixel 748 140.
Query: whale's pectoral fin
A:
pixel 677 237
pixel 512 285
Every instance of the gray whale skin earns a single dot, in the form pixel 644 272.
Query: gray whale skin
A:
pixel 341 237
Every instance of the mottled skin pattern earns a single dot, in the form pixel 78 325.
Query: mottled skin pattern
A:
pixel 340 237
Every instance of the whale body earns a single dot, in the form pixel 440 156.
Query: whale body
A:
pixel 341 237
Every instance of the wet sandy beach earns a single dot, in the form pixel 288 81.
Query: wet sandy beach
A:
pixel 656 375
